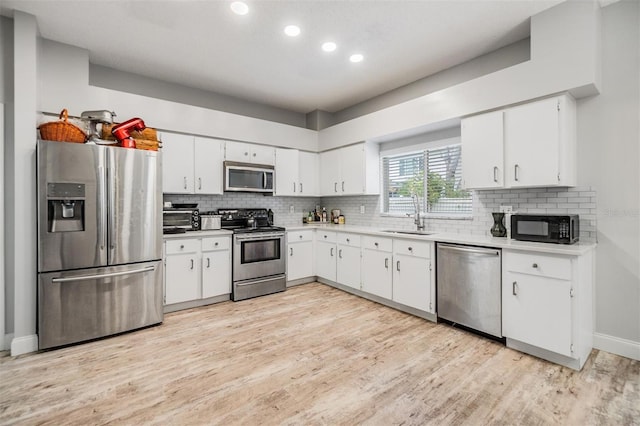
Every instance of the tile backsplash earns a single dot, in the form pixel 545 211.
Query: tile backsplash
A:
pixel 577 200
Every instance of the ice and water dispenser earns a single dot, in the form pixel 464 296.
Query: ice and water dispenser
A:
pixel 65 206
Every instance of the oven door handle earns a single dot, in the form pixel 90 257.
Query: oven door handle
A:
pixel 255 237
pixel 258 281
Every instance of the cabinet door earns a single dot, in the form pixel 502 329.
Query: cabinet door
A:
pixel 286 172
pixel 182 278
pixel 352 167
pixel 412 281
pixel 216 273
pixel 308 174
pixel 326 260
pixel 376 273
pixel 348 267
pixel 177 163
pixel 330 176
pixel 208 166
pixel 532 144
pixel 537 311
pixel 263 155
pixel 237 151
pixel 483 151
pixel 300 260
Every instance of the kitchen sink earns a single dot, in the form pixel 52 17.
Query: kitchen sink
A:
pixel 407 232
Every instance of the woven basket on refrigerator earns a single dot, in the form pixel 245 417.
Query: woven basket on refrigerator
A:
pixel 62 130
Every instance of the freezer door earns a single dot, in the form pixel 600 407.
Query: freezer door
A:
pixel 72 231
pixel 135 205
pixel 75 306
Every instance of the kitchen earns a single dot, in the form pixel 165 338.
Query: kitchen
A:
pixel 601 169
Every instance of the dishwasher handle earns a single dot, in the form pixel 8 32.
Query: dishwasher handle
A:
pixel 470 249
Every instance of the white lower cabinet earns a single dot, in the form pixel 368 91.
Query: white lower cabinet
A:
pixel 196 268
pixel 413 276
pixel 216 266
pixel 348 263
pixel 377 262
pixel 546 305
pixel 300 255
pixel 182 271
pixel 326 255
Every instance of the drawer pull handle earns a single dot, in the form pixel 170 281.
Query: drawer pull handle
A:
pixel 410 248
pixel 290 251
pixel 325 236
pixel 514 288
pixel 331 251
pixel 535 265
pixel 515 173
pixel 181 246
pixel 348 240
pixel 208 262
pixel 386 263
pixel 495 174
pixel 185 182
pixel 191 263
pixel 216 244
pixel 300 236
pixel 398 266
pixel 376 244
pixel 340 253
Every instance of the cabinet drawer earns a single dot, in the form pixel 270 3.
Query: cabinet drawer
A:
pixel 296 236
pixel 412 248
pixel 377 243
pixel 215 243
pixel 329 237
pixel 349 240
pixel 538 264
pixel 182 246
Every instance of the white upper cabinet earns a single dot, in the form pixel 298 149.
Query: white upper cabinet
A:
pixel 308 174
pixel 191 165
pixel 286 172
pixel 296 173
pixel 352 170
pixel 482 151
pixel 177 163
pixel 208 168
pixel 530 145
pixel 250 153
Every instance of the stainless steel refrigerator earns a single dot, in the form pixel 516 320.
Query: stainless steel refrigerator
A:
pixel 99 241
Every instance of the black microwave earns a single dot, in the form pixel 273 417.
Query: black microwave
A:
pixel 559 229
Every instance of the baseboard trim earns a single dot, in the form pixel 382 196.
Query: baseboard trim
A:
pixel 616 345
pixel 6 342
pixel 24 345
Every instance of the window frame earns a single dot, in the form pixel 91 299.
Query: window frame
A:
pixel 414 149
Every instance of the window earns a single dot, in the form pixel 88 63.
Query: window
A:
pixel 436 172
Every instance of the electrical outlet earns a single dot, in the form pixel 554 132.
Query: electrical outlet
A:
pixel 292 209
pixel 361 209
pixel 506 209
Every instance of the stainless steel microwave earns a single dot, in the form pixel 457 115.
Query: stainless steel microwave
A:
pixel 248 177
pixel 559 229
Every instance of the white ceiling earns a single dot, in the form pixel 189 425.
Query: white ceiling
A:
pixel 202 44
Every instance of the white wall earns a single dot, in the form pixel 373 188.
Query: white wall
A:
pixel 609 160
pixel 20 198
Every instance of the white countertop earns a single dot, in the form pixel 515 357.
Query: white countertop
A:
pixel 198 234
pixel 478 240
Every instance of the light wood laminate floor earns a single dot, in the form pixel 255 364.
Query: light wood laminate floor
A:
pixel 312 355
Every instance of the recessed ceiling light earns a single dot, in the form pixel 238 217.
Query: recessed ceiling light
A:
pixel 356 58
pixel 292 30
pixel 239 8
pixel 329 46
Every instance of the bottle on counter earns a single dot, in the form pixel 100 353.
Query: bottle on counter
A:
pixel 310 218
pixel 324 214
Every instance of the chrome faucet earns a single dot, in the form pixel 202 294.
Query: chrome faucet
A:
pixel 417 219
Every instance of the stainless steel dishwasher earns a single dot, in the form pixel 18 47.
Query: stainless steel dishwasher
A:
pixel 469 286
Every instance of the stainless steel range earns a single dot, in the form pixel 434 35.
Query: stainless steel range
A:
pixel 258 252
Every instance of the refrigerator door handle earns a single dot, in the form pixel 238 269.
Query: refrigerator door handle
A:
pixel 111 203
pixel 103 212
pixel 98 276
